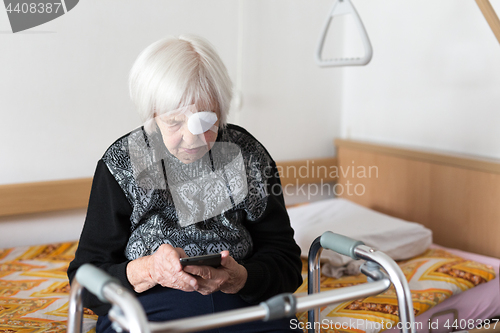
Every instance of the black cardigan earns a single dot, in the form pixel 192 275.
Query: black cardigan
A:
pixel 273 266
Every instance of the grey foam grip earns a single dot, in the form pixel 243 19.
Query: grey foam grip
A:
pixel 94 279
pixel 340 244
pixel 280 306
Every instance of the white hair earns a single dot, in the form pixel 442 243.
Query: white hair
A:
pixel 176 72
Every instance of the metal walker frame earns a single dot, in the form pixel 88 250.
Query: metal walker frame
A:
pixel 127 313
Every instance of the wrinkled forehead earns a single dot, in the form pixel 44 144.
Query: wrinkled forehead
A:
pixel 189 112
pixel 184 111
pixel 207 105
pixel 191 109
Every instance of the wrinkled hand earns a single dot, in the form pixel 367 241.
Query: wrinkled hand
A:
pixel 229 278
pixel 162 267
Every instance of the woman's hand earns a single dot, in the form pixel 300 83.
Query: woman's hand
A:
pixel 229 278
pixel 162 267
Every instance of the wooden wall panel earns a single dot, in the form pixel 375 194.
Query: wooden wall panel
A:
pixel 460 204
pixel 28 198
pixel 490 16
pixel 310 171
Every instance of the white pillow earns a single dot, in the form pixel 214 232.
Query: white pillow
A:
pixel 395 237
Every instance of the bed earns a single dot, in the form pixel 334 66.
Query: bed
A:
pixel 440 278
pixel 453 196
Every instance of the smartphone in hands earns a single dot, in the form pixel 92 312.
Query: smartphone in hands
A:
pixel 212 260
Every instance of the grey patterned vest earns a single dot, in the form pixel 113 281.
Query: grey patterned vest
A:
pixel 154 220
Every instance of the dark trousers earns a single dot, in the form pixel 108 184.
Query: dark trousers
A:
pixel 163 304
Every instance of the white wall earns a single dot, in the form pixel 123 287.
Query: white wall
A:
pixel 63 85
pixel 64 98
pixel 45 228
pixel 434 80
pixel 292 105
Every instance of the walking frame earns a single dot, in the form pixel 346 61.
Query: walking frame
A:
pixel 127 313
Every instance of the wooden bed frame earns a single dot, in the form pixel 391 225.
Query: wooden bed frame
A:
pixel 457 197
pixel 50 196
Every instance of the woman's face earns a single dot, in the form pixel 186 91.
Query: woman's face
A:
pixel 180 142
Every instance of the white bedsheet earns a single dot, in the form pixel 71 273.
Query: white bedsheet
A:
pixel 395 237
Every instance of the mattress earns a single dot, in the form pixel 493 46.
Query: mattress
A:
pixel 34 290
pixel 442 280
pixel 467 309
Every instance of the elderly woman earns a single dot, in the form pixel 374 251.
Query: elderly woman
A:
pixel 186 184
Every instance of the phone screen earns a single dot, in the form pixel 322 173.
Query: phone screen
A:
pixel 212 260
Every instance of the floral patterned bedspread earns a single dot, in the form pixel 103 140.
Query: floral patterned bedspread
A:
pixel 34 289
pixel 433 277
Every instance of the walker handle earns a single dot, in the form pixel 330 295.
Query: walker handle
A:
pixel 94 279
pixel 340 244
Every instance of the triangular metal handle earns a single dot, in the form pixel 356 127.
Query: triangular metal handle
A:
pixel 344 7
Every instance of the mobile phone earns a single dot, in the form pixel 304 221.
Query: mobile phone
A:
pixel 212 260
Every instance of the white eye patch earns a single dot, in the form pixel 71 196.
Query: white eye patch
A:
pixel 200 122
